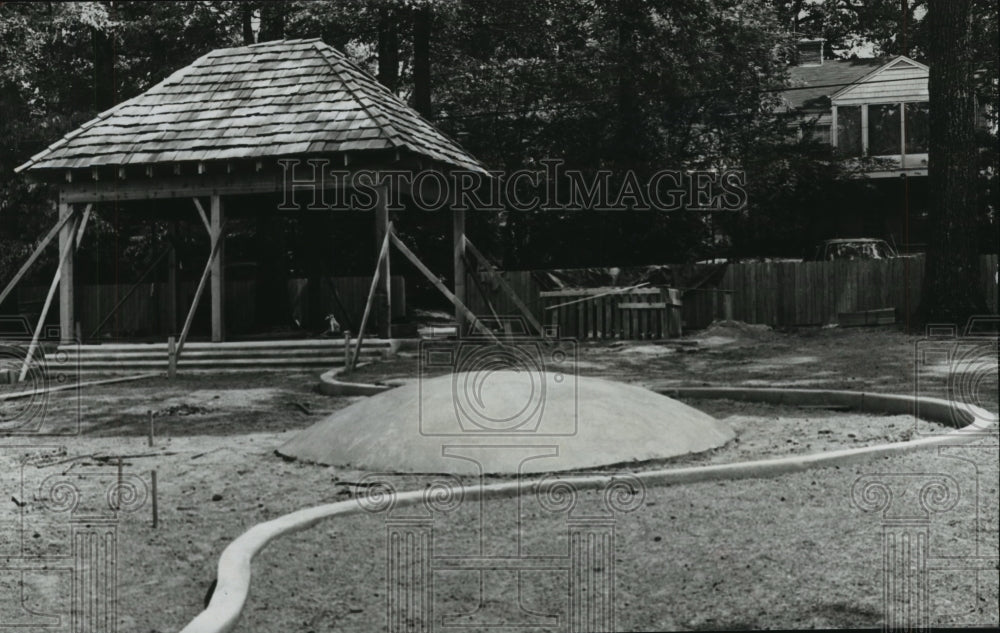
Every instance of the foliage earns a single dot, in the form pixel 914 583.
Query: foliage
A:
pixel 601 84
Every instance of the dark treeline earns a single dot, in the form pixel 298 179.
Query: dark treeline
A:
pixel 624 85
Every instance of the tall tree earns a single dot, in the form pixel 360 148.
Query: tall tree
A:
pixel 273 16
pixel 388 48
pixel 422 60
pixel 246 22
pixel 951 290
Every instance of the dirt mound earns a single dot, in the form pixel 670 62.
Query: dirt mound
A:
pixel 505 422
pixel 725 332
pixel 738 329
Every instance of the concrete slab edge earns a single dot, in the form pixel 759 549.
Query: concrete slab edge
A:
pixel 331 385
pixel 234 571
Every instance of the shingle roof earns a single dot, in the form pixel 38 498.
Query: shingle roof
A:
pixel 278 98
pixel 815 84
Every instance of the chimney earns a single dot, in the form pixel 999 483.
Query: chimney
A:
pixel 810 52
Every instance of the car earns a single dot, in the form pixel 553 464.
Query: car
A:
pixel 853 248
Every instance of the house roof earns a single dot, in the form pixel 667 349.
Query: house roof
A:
pixel 280 98
pixel 814 85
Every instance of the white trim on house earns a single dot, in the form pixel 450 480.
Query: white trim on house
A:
pixel 901 80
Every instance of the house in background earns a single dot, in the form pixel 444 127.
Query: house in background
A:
pixel 876 108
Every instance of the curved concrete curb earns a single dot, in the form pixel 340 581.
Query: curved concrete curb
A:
pixel 234 571
pixel 331 385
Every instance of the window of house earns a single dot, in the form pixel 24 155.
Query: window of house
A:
pixel 849 130
pixel 917 128
pixel 883 129
pixel 816 132
pixel 821 133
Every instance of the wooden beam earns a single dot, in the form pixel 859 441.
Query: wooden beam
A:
pixel 458 264
pixel 83 224
pixel 34 256
pixel 506 288
pixel 65 251
pixel 383 294
pixel 204 216
pixel 382 255
pixel 443 289
pixel 172 278
pixel 177 183
pixel 197 294
pixel 218 272
pixel 67 300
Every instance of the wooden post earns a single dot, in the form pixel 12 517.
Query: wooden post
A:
pixel 218 272
pixel 66 299
pixel 150 438
pixel 382 255
pixel 65 252
pixel 347 348
pixel 383 294
pixel 197 294
pixel 118 497
pixel 156 504
pixel 458 257
pixel 171 358
pixel 172 279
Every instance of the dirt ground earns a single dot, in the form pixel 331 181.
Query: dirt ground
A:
pixel 787 552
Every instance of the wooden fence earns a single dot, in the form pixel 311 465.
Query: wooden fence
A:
pixel 702 306
pixel 145 313
pixel 815 293
pixel 607 313
pixel 777 294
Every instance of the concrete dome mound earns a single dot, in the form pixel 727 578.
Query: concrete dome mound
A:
pixel 507 422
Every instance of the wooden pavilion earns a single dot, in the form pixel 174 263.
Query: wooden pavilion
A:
pixel 215 131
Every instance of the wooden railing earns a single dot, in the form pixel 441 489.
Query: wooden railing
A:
pixel 614 313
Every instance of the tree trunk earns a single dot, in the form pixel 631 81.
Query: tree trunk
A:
pixel 246 16
pixel 422 61
pixel 388 49
pixel 272 21
pixel 951 291
pixel 104 70
pixel 629 132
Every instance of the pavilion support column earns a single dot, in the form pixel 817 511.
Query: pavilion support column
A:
pixel 172 279
pixel 218 272
pixel 383 296
pixel 67 314
pixel 458 244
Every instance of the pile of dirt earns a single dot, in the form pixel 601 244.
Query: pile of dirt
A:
pixel 507 422
pixel 727 332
